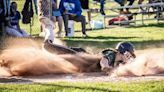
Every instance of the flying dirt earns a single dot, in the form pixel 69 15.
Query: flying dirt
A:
pixel 22 58
pixel 148 63
pixel 28 57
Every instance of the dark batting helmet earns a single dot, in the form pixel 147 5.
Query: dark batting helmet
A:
pixel 122 47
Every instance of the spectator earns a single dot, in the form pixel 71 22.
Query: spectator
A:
pixel 47 25
pixel 122 3
pixel 2 17
pixel 102 2
pixel 84 4
pixel 71 10
pixel 48 28
pixel 140 1
pixel 13 28
pixel 36 7
pixel 56 15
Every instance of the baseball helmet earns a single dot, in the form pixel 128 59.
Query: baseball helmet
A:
pixel 122 47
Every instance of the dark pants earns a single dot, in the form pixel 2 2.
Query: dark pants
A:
pixel 36 7
pixel 102 2
pixel 80 18
pixel 121 2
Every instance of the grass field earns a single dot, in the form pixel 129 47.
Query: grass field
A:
pixel 143 36
pixel 150 35
pixel 149 86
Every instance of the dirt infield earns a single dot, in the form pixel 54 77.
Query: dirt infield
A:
pixel 85 77
pixel 77 77
pixel 80 77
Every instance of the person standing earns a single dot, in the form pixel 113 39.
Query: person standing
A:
pixel 56 16
pixel 45 15
pixel 123 2
pixel 36 7
pixel 102 3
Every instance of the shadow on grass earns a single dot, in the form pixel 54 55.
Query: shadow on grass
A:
pixel 14 80
pixel 103 37
pixel 160 25
pixel 111 44
pixel 65 87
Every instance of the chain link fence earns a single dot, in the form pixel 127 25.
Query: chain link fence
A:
pixel 34 27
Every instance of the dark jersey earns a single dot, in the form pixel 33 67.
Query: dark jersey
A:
pixel 110 55
pixel 15 19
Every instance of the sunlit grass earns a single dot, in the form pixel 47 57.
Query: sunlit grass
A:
pixel 149 86
pixel 142 36
pixel 148 34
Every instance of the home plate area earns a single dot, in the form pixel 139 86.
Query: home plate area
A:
pixel 81 77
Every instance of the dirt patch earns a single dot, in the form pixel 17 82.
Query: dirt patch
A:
pixel 81 77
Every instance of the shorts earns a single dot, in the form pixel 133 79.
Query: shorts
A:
pixel 56 13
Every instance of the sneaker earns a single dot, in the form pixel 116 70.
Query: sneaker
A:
pixel 59 34
pixel 67 36
pixel 42 34
pixel 102 12
pixel 84 35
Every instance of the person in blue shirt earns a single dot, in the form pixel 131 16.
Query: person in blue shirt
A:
pixel 13 28
pixel 71 10
pixel 15 16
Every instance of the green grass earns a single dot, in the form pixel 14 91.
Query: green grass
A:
pixel 142 36
pixel 149 86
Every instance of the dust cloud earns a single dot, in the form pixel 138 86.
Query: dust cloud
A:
pixel 148 62
pixel 23 56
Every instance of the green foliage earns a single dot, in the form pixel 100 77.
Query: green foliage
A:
pixel 143 36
